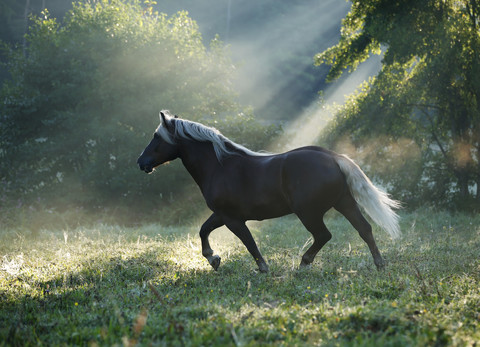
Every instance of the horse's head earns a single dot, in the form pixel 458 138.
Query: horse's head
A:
pixel 161 148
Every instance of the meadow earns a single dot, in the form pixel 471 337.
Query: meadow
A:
pixel 150 286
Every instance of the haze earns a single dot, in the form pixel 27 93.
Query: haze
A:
pixel 274 58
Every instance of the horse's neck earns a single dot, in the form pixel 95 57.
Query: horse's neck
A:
pixel 199 159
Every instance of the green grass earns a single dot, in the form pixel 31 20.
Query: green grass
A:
pixel 150 285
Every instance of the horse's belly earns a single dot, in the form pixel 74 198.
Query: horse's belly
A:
pixel 251 204
pixel 265 210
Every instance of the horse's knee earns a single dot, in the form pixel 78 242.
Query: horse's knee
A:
pixel 365 229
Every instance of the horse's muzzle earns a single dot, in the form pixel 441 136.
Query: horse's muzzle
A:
pixel 145 167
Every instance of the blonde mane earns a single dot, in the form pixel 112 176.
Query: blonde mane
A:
pixel 185 129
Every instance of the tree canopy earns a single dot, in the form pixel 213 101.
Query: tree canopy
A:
pixel 424 105
pixel 276 75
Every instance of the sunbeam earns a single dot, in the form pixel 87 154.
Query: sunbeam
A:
pixel 261 54
pixel 306 127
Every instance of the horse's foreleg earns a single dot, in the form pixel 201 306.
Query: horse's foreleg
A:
pixel 212 223
pixel 243 233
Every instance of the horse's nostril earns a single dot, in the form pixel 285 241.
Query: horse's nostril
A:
pixel 146 168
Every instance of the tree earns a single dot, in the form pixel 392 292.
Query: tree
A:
pixel 428 90
pixel 83 99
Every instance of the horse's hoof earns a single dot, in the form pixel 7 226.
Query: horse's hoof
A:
pixel 263 268
pixel 305 266
pixel 215 261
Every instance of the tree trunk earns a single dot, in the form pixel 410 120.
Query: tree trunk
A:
pixel 462 177
pixel 25 17
pixel 477 194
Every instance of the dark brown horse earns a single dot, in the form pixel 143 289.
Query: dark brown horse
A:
pixel 240 185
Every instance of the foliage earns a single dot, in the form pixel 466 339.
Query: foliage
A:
pixel 147 285
pixel 287 81
pixel 285 64
pixel 427 94
pixel 84 95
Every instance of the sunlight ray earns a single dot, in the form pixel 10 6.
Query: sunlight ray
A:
pixel 306 128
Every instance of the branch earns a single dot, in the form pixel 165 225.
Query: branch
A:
pixel 434 134
pixel 472 9
pixel 435 137
pixel 425 106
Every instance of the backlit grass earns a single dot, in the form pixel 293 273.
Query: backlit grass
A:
pixel 150 285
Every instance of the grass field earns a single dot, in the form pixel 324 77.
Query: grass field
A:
pixel 150 285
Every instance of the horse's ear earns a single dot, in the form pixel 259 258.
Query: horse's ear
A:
pixel 165 120
pixel 162 117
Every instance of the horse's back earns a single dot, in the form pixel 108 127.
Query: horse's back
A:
pixel 311 176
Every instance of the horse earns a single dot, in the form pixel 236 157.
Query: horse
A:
pixel 240 185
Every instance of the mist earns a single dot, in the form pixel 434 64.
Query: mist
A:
pixel 285 42
pixel 272 46
pixel 308 124
pixel 273 55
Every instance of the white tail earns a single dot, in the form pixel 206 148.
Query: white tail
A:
pixel 376 203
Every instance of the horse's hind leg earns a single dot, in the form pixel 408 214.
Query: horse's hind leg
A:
pixel 212 223
pixel 349 208
pixel 315 225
